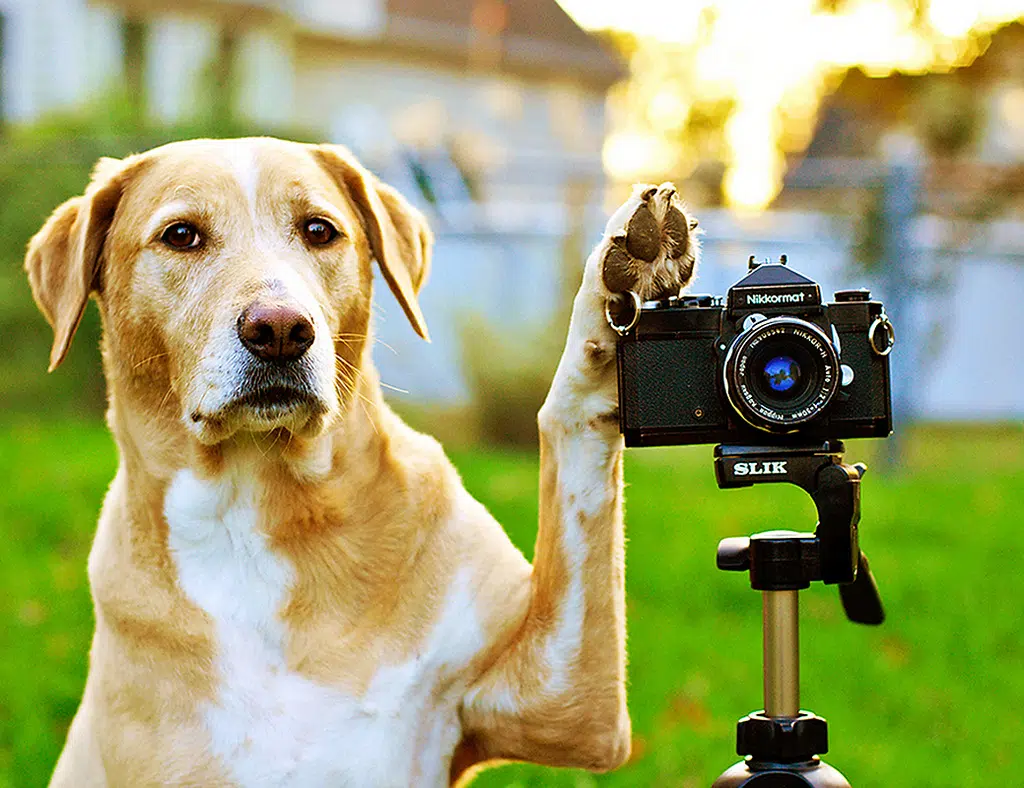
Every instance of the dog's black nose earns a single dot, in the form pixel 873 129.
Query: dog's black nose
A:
pixel 275 332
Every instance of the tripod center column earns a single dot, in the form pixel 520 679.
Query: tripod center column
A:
pixel 781 611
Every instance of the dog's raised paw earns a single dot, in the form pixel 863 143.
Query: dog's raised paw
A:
pixel 651 246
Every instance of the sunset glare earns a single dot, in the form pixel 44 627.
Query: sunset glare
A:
pixel 775 61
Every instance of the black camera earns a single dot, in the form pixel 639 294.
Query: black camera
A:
pixel 772 365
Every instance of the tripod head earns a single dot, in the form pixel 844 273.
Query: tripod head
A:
pixel 786 560
pixel 782 742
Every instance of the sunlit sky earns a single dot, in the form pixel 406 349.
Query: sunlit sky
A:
pixel 769 56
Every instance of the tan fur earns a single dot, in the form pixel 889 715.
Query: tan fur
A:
pixel 374 535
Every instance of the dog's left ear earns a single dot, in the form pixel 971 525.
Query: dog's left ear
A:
pixel 398 233
pixel 63 258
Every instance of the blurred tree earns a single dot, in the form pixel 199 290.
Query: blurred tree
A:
pixel 509 387
pixel 741 84
pixel 950 116
pixel 134 42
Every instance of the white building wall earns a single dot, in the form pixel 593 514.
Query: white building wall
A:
pixel 266 74
pixel 104 50
pixel 178 51
pixel 971 364
pixel 379 106
pixel 355 18
pixel 20 70
pixel 57 54
pixel 60 48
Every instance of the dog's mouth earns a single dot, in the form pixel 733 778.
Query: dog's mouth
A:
pixel 264 398
pixel 273 398
pixel 269 406
pixel 273 402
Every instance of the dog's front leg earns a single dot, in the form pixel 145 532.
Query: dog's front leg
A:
pixel 557 694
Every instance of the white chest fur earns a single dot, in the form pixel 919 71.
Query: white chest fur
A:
pixel 270 726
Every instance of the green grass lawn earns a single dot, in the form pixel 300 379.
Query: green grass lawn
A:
pixel 933 697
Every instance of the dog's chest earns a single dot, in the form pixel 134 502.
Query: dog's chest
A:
pixel 272 726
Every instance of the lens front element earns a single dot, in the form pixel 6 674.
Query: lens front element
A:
pixel 781 373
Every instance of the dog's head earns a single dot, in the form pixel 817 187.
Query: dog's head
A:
pixel 233 277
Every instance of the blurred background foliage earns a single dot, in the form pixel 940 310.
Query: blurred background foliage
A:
pixel 508 387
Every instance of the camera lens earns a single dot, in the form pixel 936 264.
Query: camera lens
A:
pixel 781 374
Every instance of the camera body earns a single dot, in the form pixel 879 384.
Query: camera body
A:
pixel 771 365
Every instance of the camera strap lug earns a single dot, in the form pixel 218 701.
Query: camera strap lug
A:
pixel 622 330
pixel 882 321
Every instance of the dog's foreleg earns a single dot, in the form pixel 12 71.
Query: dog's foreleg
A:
pixel 557 696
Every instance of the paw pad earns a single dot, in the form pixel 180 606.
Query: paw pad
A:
pixel 654 254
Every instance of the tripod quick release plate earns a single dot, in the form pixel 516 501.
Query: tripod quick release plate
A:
pixel 788 560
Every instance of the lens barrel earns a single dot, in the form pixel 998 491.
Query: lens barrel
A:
pixel 780 374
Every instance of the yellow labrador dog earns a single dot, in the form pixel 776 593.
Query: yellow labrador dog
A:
pixel 292 587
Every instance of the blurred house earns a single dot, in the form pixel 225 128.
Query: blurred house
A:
pixel 945 151
pixel 976 111
pixel 967 123
pixel 451 95
pixel 490 114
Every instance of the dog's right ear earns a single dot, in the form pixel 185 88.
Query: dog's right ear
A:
pixel 63 258
pixel 398 233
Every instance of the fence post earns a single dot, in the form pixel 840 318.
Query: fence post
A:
pixel 900 205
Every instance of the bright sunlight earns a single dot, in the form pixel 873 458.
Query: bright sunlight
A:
pixel 770 64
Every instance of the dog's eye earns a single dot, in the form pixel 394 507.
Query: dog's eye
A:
pixel 319 232
pixel 181 235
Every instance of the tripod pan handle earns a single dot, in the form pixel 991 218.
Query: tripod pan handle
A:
pixel 734 554
pixel 861 600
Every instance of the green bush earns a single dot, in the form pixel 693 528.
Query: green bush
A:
pixel 509 373
pixel 508 386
